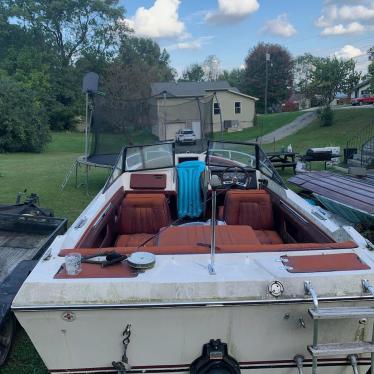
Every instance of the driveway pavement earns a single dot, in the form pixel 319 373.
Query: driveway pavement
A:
pixel 284 131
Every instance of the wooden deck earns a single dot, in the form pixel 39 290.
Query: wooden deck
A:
pixel 356 193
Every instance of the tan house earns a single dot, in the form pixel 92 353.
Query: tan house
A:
pixel 361 90
pixel 204 107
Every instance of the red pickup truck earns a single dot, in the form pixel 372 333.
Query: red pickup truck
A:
pixel 363 100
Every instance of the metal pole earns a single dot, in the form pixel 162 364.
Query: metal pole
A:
pixel 267 58
pixel 372 355
pixel 86 130
pixel 213 234
pixel 220 114
pixel 164 115
pixel 202 129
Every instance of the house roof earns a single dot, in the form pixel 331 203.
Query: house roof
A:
pixel 234 90
pixel 361 84
pixel 191 89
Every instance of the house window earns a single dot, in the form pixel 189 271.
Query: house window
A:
pixel 216 108
pixel 237 107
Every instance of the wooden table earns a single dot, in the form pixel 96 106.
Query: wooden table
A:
pixel 283 160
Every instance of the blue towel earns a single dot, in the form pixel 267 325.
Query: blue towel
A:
pixel 189 192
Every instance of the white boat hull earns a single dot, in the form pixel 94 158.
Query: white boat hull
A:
pixel 262 338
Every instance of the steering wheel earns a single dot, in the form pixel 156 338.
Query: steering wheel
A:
pixel 234 181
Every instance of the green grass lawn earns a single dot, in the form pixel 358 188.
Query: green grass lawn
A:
pixel 43 173
pixel 266 123
pixel 347 123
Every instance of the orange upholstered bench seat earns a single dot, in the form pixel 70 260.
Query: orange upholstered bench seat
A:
pixel 225 248
pixel 195 235
pixel 134 240
pixel 268 237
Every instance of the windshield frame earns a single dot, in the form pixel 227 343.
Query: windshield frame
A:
pixel 255 145
pixel 258 151
pixel 144 146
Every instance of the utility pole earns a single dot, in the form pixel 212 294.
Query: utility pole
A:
pixel 267 59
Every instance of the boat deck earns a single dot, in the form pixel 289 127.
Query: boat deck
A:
pixel 343 189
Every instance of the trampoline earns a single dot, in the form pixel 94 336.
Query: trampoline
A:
pixel 112 124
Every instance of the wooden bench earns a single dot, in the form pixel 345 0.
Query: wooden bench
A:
pixel 283 160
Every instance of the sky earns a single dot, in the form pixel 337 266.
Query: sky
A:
pixel 191 30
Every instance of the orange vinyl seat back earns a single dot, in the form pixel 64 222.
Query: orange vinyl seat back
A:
pixel 143 213
pixel 251 207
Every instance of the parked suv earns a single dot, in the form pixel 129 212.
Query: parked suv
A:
pixel 185 136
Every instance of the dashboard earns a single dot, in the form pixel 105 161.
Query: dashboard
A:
pixel 226 177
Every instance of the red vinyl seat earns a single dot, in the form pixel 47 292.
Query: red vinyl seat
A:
pixel 141 216
pixel 253 208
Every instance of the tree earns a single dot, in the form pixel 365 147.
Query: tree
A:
pixel 73 26
pixel 279 74
pixel 23 123
pixel 371 69
pixel 68 36
pixel 194 73
pixel 212 68
pixel 145 52
pixel 235 77
pixel 326 77
pixel 371 76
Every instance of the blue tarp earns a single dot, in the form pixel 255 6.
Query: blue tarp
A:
pixel 189 189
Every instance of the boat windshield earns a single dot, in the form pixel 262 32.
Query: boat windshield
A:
pixel 246 155
pixel 147 157
pixel 231 154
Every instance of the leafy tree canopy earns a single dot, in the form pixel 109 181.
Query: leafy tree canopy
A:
pixel 279 74
pixel 235 77
pixel 371 76
pixel 145 52
pixel 73 26
pixel 23 123
pixel 212 68
pixel 194 73
pixel 327 76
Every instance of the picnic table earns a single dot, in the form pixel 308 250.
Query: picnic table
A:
pixel 283 159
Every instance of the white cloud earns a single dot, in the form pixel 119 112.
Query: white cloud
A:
pixel 362 65
pixel 197 43
pixel 280 26
pixel 341 17
pixel 159 21
pixel 329 14
pixel 232 10
pixel 333 13
pixel 349 51
pixel 356 12
pixel 340 29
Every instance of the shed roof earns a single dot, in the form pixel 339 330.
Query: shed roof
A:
pixel 190 89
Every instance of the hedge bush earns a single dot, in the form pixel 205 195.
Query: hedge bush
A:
pixel 23 122
pixel 326 116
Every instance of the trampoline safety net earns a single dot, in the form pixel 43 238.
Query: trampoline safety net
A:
pixel 146 121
